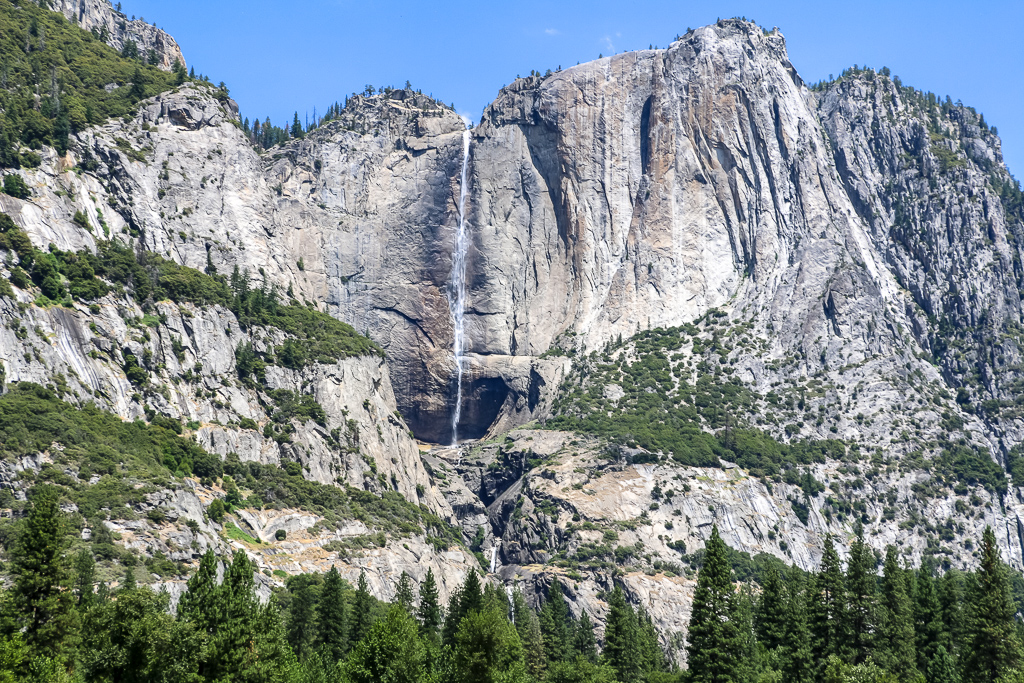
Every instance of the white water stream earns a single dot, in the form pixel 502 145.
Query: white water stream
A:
pixel 457 293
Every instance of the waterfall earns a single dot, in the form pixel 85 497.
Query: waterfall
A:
pixel 457 293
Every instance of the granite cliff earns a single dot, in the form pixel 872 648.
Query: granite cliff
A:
pixel 117 30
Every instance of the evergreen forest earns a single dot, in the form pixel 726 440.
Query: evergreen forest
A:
pixel 58 622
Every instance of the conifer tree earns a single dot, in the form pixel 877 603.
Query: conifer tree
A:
pixel 951 594
pixel 301 631
pixel 267 657
pixel 895 648
pixel 826 607
pixel 750 663
pixel 487 649
pixel 452 616
pixel 771 613
pixel 993 645
pixel 861 584
pixel 584 643
pixel 528 628
pixel 470 599
pixel 554 623
pixel 796 661
pixel 332 615
pixel 133 639
pixel 429 611
pixel 652 656
pixel 928 625
pixel 362 606
pixel 391 651
pixel 622 640
pixel 714 641
pixel 42 580
pixel 102 592
pixel 129 583
pixel 199 603
pixel 495 598
pixel 235 616
pixel 942 667
pixel 404 596
pixel 85 579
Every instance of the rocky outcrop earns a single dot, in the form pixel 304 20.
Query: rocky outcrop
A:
pixel 198 384
pixel 927 178
pixel 114 27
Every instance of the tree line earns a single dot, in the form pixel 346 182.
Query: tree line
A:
pixel 838 626
pixel 58 622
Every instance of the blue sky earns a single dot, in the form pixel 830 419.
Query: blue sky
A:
pixel 279 57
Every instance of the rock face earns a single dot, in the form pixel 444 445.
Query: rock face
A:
pixel 114 26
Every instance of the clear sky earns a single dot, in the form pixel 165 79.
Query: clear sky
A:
pixel 279 57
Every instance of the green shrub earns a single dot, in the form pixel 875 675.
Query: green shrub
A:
pixel 15 186
pixel 216 510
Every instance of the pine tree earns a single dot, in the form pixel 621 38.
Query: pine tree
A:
pixel 796 661
pixel 296 127
pixel 42 580
pixel 302 631
pixel 928 625
pixel 770 615
pixel 584 644
pixel 230 617
pixel 652 656
pixel 826 607
pixel 895 648
pixel 332 615
pixel 942 667
pixel 487 648
pixel 429 611
pixel 199 603
pixel 129 583
pixel 992 644
pixel 528 628
pixel 951 592
pixel 861 583
pixel 470 599
pixel 622 640
pixel 362 606
pixel 495 598
pixel 452 616
pixel 404 596
pixel 85 579
pixel 391 651
pixel 714 641
pixel 554 624
pixel 267 657
pixel 133 639
pixel 750 653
